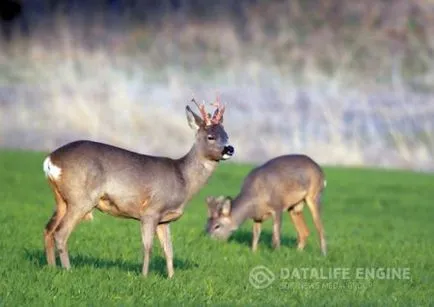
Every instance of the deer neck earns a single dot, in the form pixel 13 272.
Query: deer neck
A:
pixel 196 170
pixel 242 209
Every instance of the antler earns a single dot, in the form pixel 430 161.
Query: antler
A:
pixel 218 113
pixel 203 113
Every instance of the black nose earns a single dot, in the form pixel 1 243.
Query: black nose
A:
pixel 228 150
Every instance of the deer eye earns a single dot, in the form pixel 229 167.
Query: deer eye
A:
pixel 211 137
pixel 217 226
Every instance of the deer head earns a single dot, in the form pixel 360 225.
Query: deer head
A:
pixel 220 224
pixel 211 137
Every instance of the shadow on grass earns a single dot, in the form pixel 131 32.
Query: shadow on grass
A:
pixel 245 237
pixel 158 263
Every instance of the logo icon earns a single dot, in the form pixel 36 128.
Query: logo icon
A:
pixel 261 277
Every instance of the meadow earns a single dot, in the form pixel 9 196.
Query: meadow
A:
pixel 373 218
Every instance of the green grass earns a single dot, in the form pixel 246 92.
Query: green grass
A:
pixel 373 219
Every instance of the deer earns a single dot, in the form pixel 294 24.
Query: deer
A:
pixel 85 175
pixel 284 183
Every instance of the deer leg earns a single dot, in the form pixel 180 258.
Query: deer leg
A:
pixel 301 228
pixel 51 226
pixel 50 252
pixel 313 205
pixel 163 233
pixel 148 227
pixel 256 235
pixel 277 223
pixel 62 233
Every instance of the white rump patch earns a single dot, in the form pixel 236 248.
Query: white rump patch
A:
pixel 51 171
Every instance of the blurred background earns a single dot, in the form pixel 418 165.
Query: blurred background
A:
pixel 347 82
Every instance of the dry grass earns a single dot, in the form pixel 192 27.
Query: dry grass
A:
pixel 350 84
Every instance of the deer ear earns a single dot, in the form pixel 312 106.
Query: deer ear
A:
pixel 209 211
pixel 194 120
pixel 226 207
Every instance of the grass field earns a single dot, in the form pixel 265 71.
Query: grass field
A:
pixel 373 219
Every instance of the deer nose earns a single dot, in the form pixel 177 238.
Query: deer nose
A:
pixel 228 151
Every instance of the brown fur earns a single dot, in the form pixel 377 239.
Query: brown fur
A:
pixel 284 183
pixel 153 190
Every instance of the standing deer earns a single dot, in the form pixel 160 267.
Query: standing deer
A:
pixel 154 190
pixel 284 183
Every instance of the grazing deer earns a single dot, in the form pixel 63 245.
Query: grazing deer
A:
pixel 282 184
pixel 154 190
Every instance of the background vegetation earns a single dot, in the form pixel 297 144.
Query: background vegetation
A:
pixel 348 82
